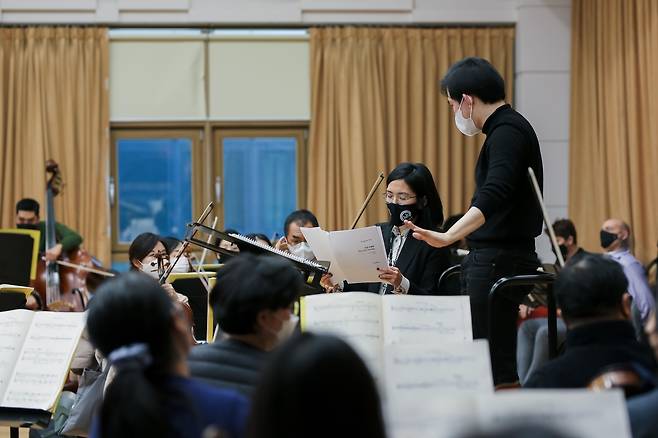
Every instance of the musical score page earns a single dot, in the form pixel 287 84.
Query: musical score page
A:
pixel 13 328
pixel 574 412
pixel 354 317
pixel 318 240
pixel 43 362
pixel 415 373
pixel 427 319
pixel 355 254
pixel 577 412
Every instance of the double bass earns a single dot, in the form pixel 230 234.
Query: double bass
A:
pixel 61 284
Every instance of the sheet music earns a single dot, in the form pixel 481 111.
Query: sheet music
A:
pixel 427 319
pixel 416 374
pixel 44 360
pixel 318 240
pixel 360 252
pixel 440 417
pixel 577 412
pixel 354 254
pixel 354 317
pixel 13 327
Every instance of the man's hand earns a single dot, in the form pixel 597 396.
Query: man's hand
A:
pixel 391 275
pixel 282 244
pixel 53 253
pixel 433 238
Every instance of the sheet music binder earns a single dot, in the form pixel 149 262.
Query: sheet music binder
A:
pixel 312 271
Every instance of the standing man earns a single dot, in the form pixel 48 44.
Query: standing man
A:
pixel 504 218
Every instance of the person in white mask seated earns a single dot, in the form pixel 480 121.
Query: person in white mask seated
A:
pixel 148 254
pixel 253 301
pixel 174 248
pixel 293 240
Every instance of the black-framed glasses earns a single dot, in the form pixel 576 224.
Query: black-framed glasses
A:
pixel 390 196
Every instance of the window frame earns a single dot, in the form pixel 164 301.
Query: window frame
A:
pixel 194 134
pixel 300 133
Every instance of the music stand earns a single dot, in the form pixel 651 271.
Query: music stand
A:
pixel 18 256
pixel 191 285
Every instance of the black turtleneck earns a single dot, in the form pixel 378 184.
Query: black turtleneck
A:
pixel 503 192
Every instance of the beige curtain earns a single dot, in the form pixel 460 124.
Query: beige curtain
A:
pixel 376 102
pixel 614 133
pixel 54 104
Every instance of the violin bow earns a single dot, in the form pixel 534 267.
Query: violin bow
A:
pixel 200 220
pixel 547 221
pixel 378 181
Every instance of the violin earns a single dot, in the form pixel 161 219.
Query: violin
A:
pixel 61 284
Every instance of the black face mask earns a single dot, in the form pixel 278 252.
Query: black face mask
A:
pixel 401 213
pixel 607 239
pixel 27 226
pixel 563 251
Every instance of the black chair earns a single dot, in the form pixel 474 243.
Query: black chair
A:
pixel 509 286
pixel 450 281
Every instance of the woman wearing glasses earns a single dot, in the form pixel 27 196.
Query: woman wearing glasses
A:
pixel 414 266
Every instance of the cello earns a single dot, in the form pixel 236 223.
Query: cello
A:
pixel 61 284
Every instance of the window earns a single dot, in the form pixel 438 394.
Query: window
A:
pixel 153 183
pixel 260 172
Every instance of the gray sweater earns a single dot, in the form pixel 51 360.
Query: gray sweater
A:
pixel 228 363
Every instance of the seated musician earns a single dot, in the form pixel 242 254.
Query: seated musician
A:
pixel 144 338
pixel 414 266
pixel 293 241
pixel 174 248
pixel 252 300
pixel 148 254
pixel 27 217
pixel 596 307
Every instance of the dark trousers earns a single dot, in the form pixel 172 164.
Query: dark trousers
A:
pixel 480 270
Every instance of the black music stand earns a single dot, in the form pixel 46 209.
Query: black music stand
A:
pixel 16 258
pixel 196 293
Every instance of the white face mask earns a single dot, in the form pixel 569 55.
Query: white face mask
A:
pixel 182 265
pixel 287 329
pixel 302 250
pixel 149 266
pixel 466 126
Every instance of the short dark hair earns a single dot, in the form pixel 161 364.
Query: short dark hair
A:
pixel 565 228
pixel 248 284
pixel 419 178
pixel 300 217
pixel 476 77
pixel 590 286
pixel 287 404
pixel 27 204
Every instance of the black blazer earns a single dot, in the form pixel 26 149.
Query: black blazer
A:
pixel 419 262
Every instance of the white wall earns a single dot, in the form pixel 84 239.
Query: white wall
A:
pixel 256 12
pixel 543 64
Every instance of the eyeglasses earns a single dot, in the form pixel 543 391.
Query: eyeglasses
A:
pixel 390 196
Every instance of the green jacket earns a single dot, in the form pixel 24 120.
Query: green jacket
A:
pixel 63 234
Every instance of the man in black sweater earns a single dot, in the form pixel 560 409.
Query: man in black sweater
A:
pixel 592 294
pixel 504 217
